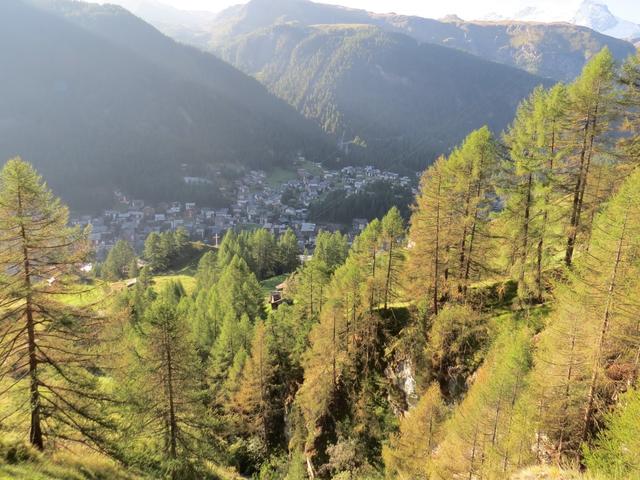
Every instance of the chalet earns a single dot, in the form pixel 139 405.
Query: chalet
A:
pixel 275 299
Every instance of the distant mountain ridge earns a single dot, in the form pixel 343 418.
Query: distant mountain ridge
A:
pixel 557 51
pixel 97 100
pixel 382 95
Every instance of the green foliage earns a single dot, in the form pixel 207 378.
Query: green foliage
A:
pixel 371 202
pixel 166 422
pixel 449 235
pixel 47 346
pixel 331 249
pixel 477 438
pixel 409 452
pixel 121 262
pixel 389 99
pixel 614 453
pixel 481 354
pixel 455 347
pixel 265 255
pixel 164 251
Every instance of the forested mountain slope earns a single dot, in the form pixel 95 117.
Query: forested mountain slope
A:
pixel 396 102
pixel 557 50
pixel 494 336
pixel 100 100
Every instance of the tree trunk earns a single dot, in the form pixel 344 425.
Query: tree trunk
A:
pixel 463 241
pixel 525 234
pixel 334 351
pixel 173 424
pixel 606 317
pixel 575 208
pixel 545 219
pixel 35 430
pixel 586 156
pixel 467 271
pixel 373 283
pixel 388 283
pixel 436 266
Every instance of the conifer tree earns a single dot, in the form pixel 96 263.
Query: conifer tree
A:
pixel 46 344
pixel 532 207
pixel 366 247
pixel 119 262
pixel 331 249
pixel 409 452
pixel 592 338
pixel 207 272
pixel 477 436
pixel 164 388
pixel 308 288
pixel 630 103
pixel 154 253
pixel 392 234
pixel 288 252
pixel 264 253
pixel 614 453
pixel 234 339
pixel 473 166
pixel 591 100
pixel 260 399
pixel 238 291
pixel 431 243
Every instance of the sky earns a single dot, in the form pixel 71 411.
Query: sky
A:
pixel 467 9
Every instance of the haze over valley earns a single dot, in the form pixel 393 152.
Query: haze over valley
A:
pixel 295 240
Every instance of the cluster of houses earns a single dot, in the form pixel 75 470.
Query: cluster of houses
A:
pixel 258 203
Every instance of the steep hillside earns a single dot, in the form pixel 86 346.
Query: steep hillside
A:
pixel 98 100
pixel 557 51
pixel 383 94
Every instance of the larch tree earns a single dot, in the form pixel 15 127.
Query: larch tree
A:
pixel 473 167
pixel 409 452
pixel 630 103
pixel 367 248
pixel 308 288
pixel 392 236
pixel 591 107
pixel 288 252
pixel 164 390
pixel 118 264
pixel 532 208
pixel 261 399
pixel 46 343
pixel 332 249
pixel 477 435
pixel 590 349
pixel 431 245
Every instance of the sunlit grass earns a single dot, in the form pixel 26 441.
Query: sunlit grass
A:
pixel 187 281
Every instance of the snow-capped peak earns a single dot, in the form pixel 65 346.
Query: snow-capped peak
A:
pixel 597 16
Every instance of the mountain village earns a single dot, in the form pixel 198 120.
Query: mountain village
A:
pixel 260 201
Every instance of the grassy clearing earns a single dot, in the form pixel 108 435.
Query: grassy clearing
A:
pixel 90 294
pixel 188 281
pixel 553 473
pixel 269 285
pixel 20 462
pixel 278 176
